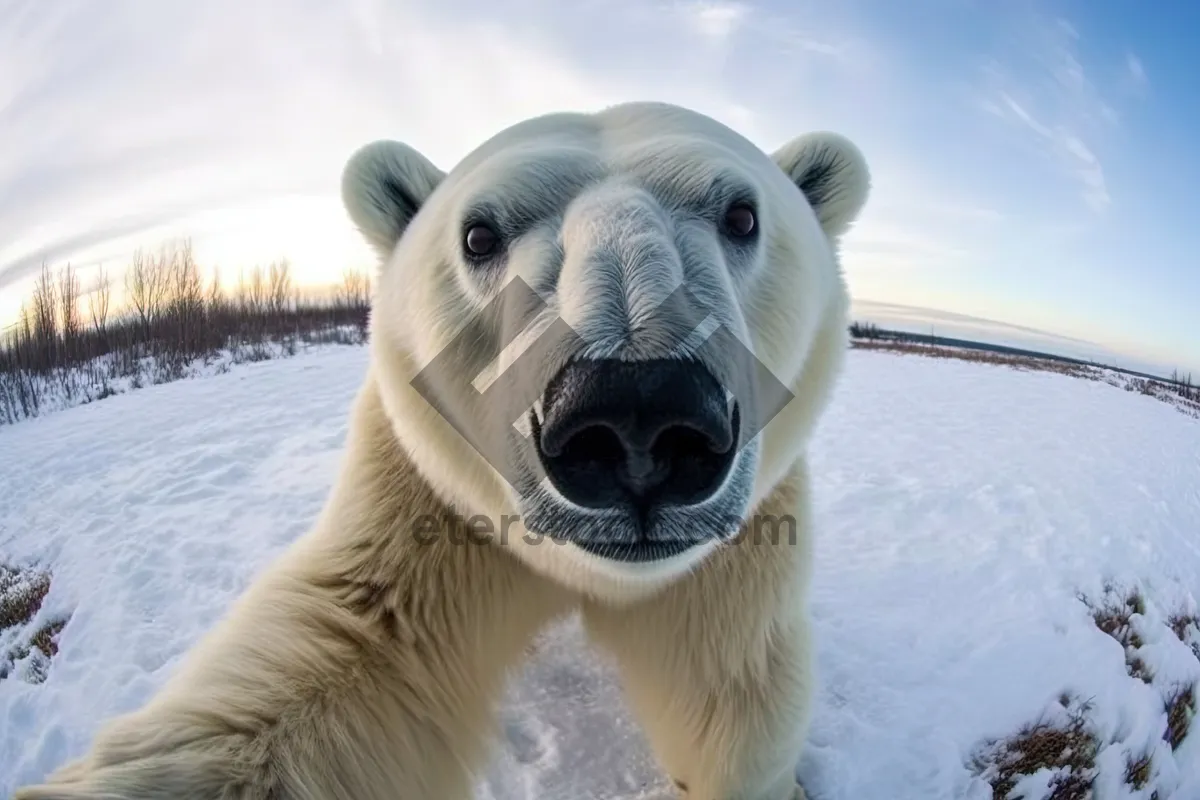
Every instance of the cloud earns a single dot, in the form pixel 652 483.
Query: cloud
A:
pixel 128 114
pixel 925 316
pixel 171 109
pixel 1044 88
pixel 1017 110
pixel 1136 71
pixel 715 20
pixel 1067 28
pixel 1133 80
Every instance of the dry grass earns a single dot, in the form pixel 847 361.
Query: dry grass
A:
pixel 1137 771
pixel 44 637
pixel 1183 623
pixel 1020 362
pixel 1186 626
pixel 1180 394
pixel 1181 710
pixel 22 591
pixel 21 594
pixel 1137 669
pixel 1180 624
pixel 1114 617
pixel 1069 749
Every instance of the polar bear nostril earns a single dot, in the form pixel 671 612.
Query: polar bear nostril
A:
pixel 637 435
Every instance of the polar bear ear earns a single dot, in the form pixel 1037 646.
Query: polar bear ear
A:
pixel 384 184
pixel 832 173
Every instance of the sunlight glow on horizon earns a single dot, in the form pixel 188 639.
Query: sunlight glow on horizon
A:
pixel 309 232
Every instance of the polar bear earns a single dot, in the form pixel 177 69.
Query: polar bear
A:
pixel 545 427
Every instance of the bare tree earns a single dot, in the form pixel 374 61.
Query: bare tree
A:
pixel 355 289
pixel 45 328
pixel 216 294
pixel 279 291
pixel 146 284
pixel 25 322
pixel 186 305
pixel 252 293
pixel 187 286
pixel 138 290
pixel 99 300
pixel 70 323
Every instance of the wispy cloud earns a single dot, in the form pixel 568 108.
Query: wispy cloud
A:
pixel 1135 81
pixel 1136 71
pixel 1043 87
pixel 715 20
pixel 133 115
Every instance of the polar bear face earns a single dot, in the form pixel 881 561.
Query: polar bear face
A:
pixel 608 334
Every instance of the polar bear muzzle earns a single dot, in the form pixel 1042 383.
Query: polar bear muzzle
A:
pixel 636 436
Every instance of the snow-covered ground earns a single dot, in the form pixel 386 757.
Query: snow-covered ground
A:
pixel 107 375
pixel 963 512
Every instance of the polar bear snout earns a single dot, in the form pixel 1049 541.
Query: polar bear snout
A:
pixel 636 435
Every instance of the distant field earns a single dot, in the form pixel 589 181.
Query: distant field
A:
pixel 1181 393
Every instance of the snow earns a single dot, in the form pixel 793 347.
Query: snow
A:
pixel 963 510
pixel 104 376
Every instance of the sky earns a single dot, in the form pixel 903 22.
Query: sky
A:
pixel 1032 161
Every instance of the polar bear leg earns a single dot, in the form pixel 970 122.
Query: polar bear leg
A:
pixel 298 699
pixel 728 729
pixel 363 665
pixel 718 668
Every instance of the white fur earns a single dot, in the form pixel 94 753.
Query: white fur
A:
pixel 364 665
pixel 789 308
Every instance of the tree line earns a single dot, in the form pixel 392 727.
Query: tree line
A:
pixel 71 343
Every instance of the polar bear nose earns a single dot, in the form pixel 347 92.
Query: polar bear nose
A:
pixel 646 433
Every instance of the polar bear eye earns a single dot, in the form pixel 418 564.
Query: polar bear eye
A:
pixel 740 220
pixel 481 240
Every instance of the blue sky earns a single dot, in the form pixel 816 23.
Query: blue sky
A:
pixel 1033 161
